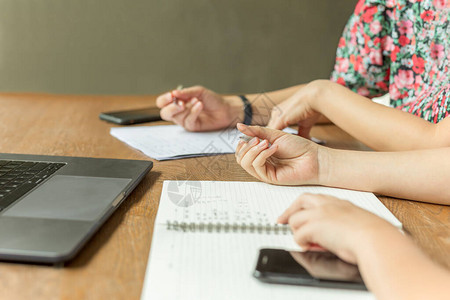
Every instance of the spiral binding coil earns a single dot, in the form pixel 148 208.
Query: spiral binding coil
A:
pixel 227 227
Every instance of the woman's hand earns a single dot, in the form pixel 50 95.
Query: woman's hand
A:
pixel 198 109
pixel 298 110
pixel 334 224
pixel 277 157
pixel 359 237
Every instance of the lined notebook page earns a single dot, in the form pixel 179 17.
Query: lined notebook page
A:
pixel 246 202
pixel 219 265
pixel 204 266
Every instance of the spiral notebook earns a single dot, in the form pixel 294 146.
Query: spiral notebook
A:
pixel 207 235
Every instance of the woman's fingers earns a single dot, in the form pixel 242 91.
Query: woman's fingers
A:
pixel 304 201
pixel 294 207
pixel 189 93
pixel 179 113
pixel 169 112
pixel 299 218
pixel 191 119
pixel 262 132
pixel 183 96
pixel 304 236
pixel 277 121
pixel 245 148
pixel 247 159
pixel 241 144
pixel 260 162
pixel 164 100
pixel 305 126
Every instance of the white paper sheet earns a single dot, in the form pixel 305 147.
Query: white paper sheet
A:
pixel 167 142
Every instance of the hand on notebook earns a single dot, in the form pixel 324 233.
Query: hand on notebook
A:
pixel 198 109
pixel 297 110
pixel 336 225
pixel 289 160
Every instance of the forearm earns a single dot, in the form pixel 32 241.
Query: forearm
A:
pixel 420 175
pixel 262 103
pixel 378 126
pixel 278 96
pixel 394 268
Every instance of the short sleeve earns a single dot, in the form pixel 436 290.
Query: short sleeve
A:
pixel 361 64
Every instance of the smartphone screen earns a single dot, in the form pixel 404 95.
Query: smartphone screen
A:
pixel 322 269
pixel 127 117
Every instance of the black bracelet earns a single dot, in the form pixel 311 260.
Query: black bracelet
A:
pixel 248 112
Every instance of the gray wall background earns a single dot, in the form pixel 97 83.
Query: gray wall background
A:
pixel 146 47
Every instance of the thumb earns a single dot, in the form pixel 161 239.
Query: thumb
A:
pixel 276 123
pixel 192 118
pixel 261 132
pixel 188 93
pixel 305 126
pixel 304 131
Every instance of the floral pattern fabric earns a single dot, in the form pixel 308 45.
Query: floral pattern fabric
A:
pixel 400 47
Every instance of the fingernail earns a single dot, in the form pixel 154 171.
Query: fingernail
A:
pixel 254 141
pixel 263 144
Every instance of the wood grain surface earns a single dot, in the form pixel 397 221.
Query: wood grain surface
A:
pixel 112 264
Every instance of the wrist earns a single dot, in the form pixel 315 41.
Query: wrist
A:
pixel 324 161
pixel 374 238
pixel 317 90
pixel 235 109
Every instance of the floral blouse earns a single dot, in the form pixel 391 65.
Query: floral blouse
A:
pixel 400 47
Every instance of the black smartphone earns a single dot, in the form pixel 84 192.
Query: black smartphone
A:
pixel 127 117
pixel 320 269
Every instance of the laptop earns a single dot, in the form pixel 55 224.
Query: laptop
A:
pixel 51 205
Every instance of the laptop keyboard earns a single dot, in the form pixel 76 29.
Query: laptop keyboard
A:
pixel 19 177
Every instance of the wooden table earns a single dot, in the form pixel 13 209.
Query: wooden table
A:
pixel 112 265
